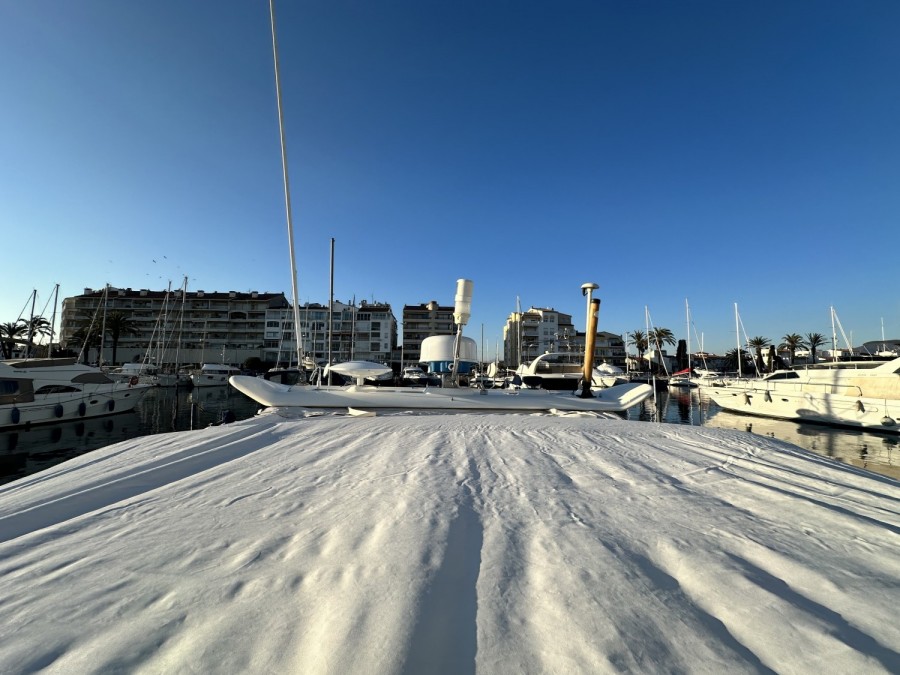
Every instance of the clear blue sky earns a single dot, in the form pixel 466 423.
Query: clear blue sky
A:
pixel 722 152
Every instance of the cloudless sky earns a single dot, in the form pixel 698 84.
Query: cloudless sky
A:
pixel 719 152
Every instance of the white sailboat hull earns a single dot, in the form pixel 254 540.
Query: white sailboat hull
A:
pixel 272 394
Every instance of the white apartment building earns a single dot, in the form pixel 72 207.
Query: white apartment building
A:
pixel 366 332
pixel 538 330
pixel 230 327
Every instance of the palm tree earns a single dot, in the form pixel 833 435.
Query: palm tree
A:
pixel 639 341
pixel 119 324
pixel 792 342
pixel 11 334
pixel 37 326
pixel 812 341
pixel 662 336
pixel 732 356
pixel 86 337
pixel 758 343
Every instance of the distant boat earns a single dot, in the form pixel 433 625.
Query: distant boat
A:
pixel 414 376
pixel 213 375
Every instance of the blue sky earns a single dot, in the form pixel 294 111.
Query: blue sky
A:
pixel 722 152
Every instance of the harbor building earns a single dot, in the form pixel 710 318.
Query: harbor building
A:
pixel 169 326
pixel 538 330
pixel 367 332
pixel 201 327
pixel 420 322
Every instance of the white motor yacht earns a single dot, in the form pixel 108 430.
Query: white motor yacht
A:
pixel 41 391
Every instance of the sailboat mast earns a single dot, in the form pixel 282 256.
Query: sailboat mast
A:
pixel 687 318
pixel 737 333
pixel 834 341
pixel 331 308
pixel 298 337
pixel 31 324
pixel 56 300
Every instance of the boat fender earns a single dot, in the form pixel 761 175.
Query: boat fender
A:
pixel 768 397
pixel 860 407
pixel 58 410
pixel 15 415
pixel 82 409
pixel 888 421
pixel 747 399
pixel 111 405
pixel 133 381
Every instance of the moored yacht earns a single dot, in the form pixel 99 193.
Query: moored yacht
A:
pixel 41 391
pixel 862 394
pixel 213 375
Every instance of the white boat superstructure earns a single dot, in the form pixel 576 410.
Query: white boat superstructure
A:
pixel 860 394
pixel 563 371
pixel 213 375
pixel 42 391
pixel 366 397
pixel 414 375
pixel 143 373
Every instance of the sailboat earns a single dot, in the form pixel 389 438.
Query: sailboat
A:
pixel 447 357
pixel 682 380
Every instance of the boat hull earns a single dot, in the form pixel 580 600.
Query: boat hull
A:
pixel 834 409
pixel 614 399
pixel 67 407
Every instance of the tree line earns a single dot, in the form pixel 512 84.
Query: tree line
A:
pixel 90 334
pixel 792 342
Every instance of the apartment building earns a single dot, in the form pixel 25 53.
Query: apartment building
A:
pixel 420 322
pixel 367 332
pixel 169 327
pixel 537 330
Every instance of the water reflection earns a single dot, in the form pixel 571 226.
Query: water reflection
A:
pixel 164 410
pixel 869 450
pixel 27 451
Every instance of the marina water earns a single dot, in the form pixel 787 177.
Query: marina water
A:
pixel 25 452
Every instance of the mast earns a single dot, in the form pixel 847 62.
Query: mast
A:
pixel 31 325
pixel 103 327
pixel 737 333
pixel 834 341
pixel 687 318
pixel 331 309
pixel 298 337
pixel 56 299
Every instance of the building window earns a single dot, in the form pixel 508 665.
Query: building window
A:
pixel 272 324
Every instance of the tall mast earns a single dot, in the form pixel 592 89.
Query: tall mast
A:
pixel 737 333
pixel 56 300
pixel 31 324
pixel 298 337
pixel 687 318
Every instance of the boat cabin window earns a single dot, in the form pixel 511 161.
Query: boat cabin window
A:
pixel 783 375
pixel 91 378
pixel 8 387
pixel 57 389
pixel 16 391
